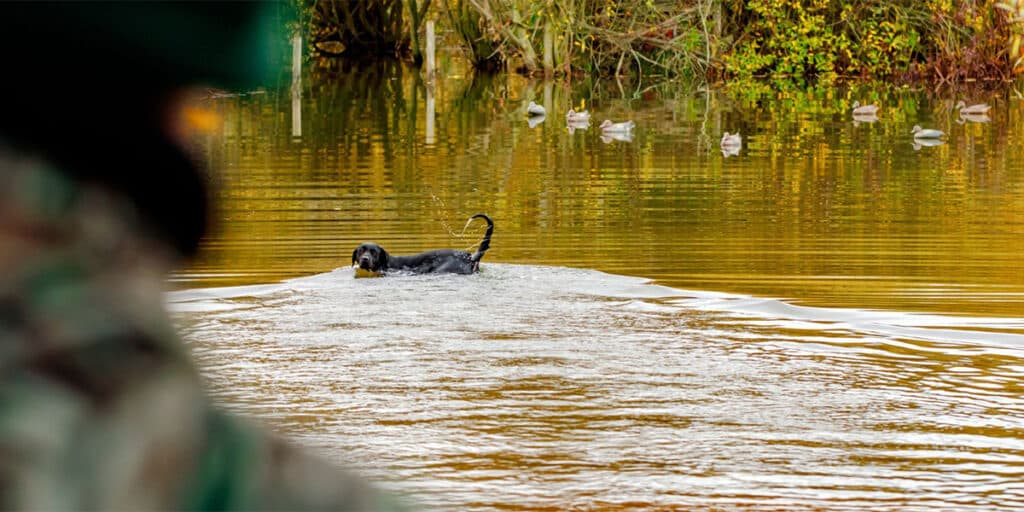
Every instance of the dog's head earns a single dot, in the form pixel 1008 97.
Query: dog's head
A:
pixel 370 256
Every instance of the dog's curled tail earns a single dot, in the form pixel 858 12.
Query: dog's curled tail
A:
pixel 486 242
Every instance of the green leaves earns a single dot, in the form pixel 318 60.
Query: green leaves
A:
pixel 824 39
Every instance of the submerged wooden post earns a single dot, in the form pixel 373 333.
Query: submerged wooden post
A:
pixel 431 63
pixel 297 85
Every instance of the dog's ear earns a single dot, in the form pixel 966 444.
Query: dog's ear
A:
pixel 356 250
pixel 382 260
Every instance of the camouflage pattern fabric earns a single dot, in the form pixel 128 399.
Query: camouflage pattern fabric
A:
pixel 101 407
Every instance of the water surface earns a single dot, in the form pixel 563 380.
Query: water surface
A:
pixel 816 208
pixel 525 387
pixel 833 318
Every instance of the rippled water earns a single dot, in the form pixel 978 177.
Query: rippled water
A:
pixel 530 386
pixel 832 318
pixel 816 209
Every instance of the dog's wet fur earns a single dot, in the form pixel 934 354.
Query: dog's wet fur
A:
pixel 373 258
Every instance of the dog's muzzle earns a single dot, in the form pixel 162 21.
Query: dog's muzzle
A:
pixel 366 263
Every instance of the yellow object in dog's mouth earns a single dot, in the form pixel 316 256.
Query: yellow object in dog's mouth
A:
pixel 365 273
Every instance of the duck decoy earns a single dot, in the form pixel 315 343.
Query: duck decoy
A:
pixel 864 110
pixel 728 151
pixel 864 118
pixel 973 118
pixel 927 143
pixel 624 127
pixel 577 125
pixel 980 108
pixel 731 140
pixel 577 117
pixel 534 109
pixel 927 133
pixel 608 137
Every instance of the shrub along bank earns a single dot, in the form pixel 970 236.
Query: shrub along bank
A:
pixel 939 40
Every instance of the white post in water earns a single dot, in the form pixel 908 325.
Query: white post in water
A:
pixel 296 55
pixel 431 70
pixel 297 86
pixel 431 64
pixel 430 114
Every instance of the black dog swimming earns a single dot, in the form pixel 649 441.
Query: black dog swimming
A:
pixel 374 258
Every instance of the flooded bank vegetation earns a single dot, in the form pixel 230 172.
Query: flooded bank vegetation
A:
pixel 942 41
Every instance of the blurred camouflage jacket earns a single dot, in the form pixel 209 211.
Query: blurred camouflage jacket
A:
pixel 101 407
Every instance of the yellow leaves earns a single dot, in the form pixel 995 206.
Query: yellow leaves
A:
pixel 1015 13
pixel 940 6
pixel 331 47
pixel 1018 59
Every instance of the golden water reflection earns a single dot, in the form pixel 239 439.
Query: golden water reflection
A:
pixel 539 384
pixel 815 209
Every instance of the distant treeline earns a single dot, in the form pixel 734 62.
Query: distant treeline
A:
pixel 943 41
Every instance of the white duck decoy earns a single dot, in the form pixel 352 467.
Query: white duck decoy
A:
pixel 622 137
pixel 864 118
pixel 973 118
pixel 624 127
pixel 572 127
pixel 608 137
pixel 534 109
pixel 577 117
pixel 980 108
pixel 864 110
pixel 927 143
pixel 927 133
pixel 731 140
